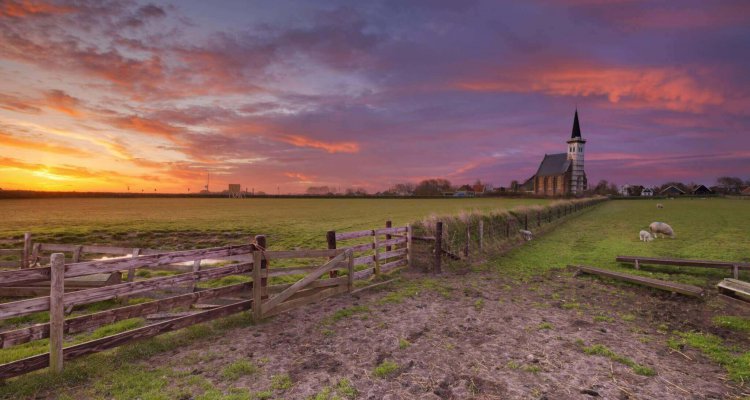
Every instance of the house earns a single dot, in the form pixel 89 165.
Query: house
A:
pixel 745 191
pixel 647 192
pixel 562 173
pixel 625 190
pixel 701 190
pixel 672 190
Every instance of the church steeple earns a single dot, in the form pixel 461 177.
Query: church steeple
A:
pixel 576 127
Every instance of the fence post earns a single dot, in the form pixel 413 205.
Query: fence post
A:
pixel 257 287
pixel 261 242
pixel 350 265
pixel 131 272
pixel 468 240
pixel 25 261
pixel 331 239
pixel 77 254
pixel 409 246
pixel 388 224
pixel 481 234
pixel 56 312
pixel 438 247
pixel 35 249
pixel 376 256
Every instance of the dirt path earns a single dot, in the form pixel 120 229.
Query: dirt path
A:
pixel 473 336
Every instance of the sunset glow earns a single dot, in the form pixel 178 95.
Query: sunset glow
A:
pixel 278 96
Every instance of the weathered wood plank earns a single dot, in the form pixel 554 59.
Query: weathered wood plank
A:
pixel 312 253
pixel 56 313
pixel 364 260
pixel 28 306
pixel 683 262
pixel 291 304
pixel 33 363
pixel 735 287
pixel 390 254
pixel 90 321
pixel 392 265
pixel 118 264
pixel 390 231
pixel 353 235
pixel 276 300
pixel 12 252
pixel 361 247
pixel 364 274
pixel 688 290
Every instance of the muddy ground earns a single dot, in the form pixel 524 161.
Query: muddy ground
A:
pixel 478 336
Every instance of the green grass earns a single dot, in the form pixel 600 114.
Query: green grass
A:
pixel 602 350
pixel 705 229
pixel 413 287
pixel 734 360
pixel 239 368
pixel 346 313
pixel 545 326
pixel 403 344
pixel 281 382
pixel 734 323
pixel 345 388
pixel 152 223
pixel 385 369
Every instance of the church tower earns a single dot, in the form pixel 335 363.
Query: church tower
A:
pixel 578 183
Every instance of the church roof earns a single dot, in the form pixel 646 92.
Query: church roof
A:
pixel 553 164
pixel 576 127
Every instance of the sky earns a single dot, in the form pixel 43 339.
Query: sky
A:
pixel 282 95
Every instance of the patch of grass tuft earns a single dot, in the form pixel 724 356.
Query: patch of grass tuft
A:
pixel 238 368
pixel 544 326
pixel 736 363
pixel 734 323
pixel 602 350
pixel 403 343
pixel 281 382
pixel 385 369
pixel 345 388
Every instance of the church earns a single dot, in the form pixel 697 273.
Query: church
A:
pixel 562 174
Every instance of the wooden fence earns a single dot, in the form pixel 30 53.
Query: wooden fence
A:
pixel 337 270
pixel 379 250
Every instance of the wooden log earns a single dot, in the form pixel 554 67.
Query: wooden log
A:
pixel 168 315
pixel 353 235
pixel 26 257
pixel 33 363
pixel 688 290
pixel 735 288
pixel 262 245
pixel 29 306
pixel 118 264
pixel 276 300
pixel 95 320
pixel 257 289
pixel 437 268
pixel 56 312
pixel 409 246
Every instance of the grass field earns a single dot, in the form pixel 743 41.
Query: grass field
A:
pixel 712 229
pixel 151 223
pixel 709 229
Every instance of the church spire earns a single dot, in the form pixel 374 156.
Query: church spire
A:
pixel 576 128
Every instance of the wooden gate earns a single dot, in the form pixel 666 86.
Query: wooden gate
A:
pixel 308 289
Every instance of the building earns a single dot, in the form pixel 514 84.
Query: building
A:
pixel 702 190
pixel 745 191
pixel 625 190
pixel 672 190
pixel 562 174
pixel 647 192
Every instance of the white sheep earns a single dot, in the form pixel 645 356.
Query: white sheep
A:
pixel 659 205
pixel 645 236
pixel 527 235
pixel 661 227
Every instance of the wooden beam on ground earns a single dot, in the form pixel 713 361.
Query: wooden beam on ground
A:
pixel 688 290
pixel 683 262
pixel 735 288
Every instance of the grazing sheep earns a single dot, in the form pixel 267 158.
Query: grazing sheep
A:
pixel 661 227
pixel 526 234
pixel 659 205
pixel 645 236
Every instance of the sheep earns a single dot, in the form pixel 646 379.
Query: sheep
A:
pixel 645 236
pixel 527 235
pixel 659 205
pixel 661 227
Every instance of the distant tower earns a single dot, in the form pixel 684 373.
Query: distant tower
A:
pixel 576 145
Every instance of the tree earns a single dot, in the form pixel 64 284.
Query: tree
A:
pixel 729 184
pixel 514 185
pixel 635 190
pixel 319 190
pixel 604 188
pixel 403 189
pixel 432 187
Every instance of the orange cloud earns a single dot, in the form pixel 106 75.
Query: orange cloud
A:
pixel 40 145
pixel 335 147
pixel 667 88
pixel 150 127
pixel 63 102
pixel 23 8
pixel 299 177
